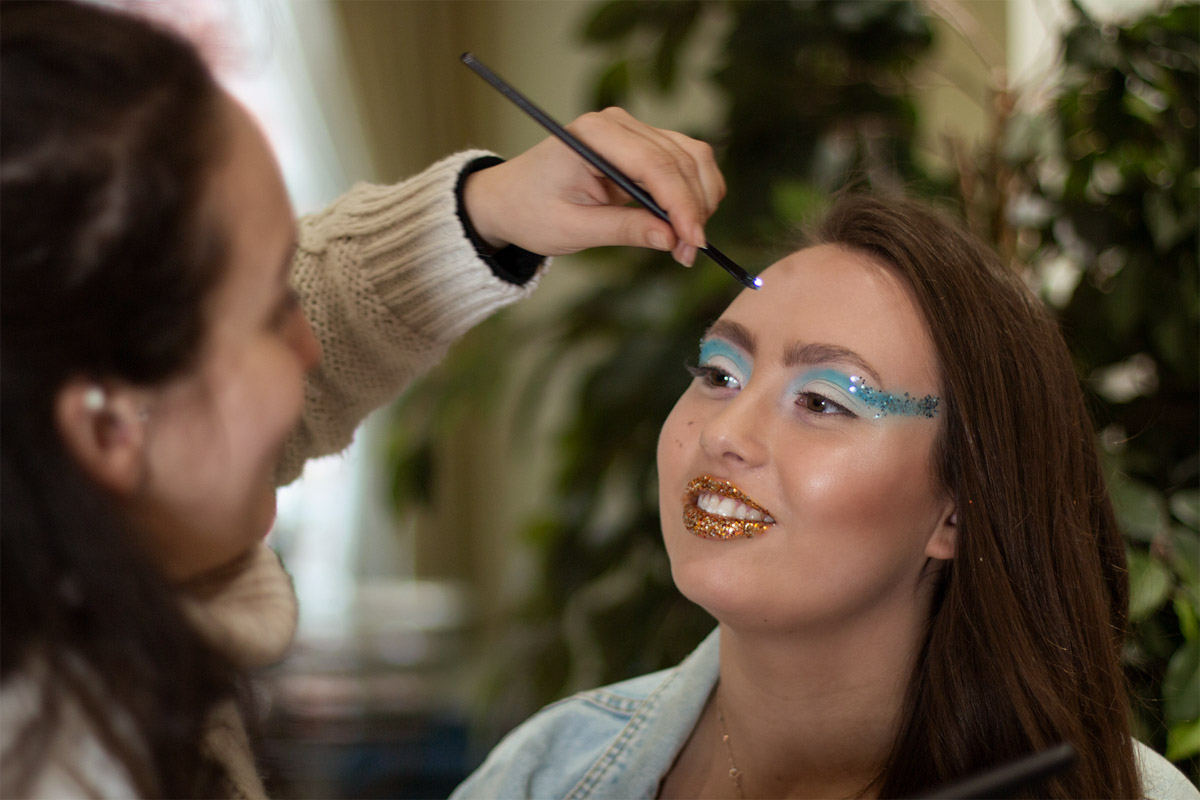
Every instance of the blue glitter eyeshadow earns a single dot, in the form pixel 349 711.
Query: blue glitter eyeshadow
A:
pixel 882 404
pixel 713 348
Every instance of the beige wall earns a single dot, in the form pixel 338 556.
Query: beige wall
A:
pixel 419 102
pixel 960 80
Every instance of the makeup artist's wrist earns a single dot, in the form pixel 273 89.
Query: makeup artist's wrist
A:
pixel 507 261
pixel 478 195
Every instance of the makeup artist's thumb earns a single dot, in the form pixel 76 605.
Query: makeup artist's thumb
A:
pixel 629 227
pixel 659 239
pixel 656 239
pixel 624 227
pixel 681 251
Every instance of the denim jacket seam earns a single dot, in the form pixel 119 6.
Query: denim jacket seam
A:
pixel 589 780
pixel 610 701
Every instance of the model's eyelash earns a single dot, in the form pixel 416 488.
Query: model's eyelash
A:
pixel 809 395
pixel 866 401
pixel 820 392
pixel 713 376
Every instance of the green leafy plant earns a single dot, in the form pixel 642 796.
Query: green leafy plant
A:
pixel 1109 218
pixel 1098 198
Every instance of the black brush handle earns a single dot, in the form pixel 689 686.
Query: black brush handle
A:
pixel 1008 779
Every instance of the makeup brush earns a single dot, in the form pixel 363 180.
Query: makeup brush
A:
pixel 596 160
pixel 1008 780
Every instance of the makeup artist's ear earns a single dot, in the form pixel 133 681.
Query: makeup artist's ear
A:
pixel 945 537
pixel 104 428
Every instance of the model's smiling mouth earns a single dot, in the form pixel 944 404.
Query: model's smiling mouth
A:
pixel 716 509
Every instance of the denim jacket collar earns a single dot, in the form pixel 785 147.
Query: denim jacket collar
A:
pixel 614 742
pixel 634 763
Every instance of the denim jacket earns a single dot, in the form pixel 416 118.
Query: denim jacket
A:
pixel 619 742
pixel 614 742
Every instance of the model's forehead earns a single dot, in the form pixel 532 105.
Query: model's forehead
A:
pixel 832 295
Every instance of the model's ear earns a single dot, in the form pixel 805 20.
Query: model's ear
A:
pixel 104 428
pixel 945 537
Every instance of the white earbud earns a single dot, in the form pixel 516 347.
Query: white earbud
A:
pixel 94 398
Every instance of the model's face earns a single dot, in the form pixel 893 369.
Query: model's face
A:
pixel 796 485
pixel 214 435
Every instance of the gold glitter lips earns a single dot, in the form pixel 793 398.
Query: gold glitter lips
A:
pixel 716 509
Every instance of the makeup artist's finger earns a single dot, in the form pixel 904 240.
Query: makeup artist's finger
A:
pixel 674 160
pixel 654 161
pixel 670 144
pixel 695 158
pixel 711 180
pixel 684 253
pixel 614 195
pixel 618 225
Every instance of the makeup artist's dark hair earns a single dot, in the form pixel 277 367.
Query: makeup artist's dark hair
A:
pixel 1023 647
pixel 109 134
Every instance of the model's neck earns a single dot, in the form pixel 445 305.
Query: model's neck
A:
pixel 815 715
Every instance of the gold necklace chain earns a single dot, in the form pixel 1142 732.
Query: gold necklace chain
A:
pixel 735 774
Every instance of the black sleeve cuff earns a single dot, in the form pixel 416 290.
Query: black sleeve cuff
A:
pixel 510 263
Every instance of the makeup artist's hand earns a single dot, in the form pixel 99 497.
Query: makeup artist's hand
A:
pixel 550 201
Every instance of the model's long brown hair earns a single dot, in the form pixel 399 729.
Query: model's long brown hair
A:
pixel 1023 648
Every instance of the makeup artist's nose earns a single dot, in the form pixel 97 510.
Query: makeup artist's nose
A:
pixel 736 432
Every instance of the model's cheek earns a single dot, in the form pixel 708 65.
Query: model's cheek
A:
pixel 884 488
pixel 677 444
pixel 259 403
pixel 678 430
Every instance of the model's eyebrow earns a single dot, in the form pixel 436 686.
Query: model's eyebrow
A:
pixel 821 353
pixel 798 353
pixel 735 332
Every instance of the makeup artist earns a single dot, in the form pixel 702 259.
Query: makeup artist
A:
pixel 174 345
pixel 883 484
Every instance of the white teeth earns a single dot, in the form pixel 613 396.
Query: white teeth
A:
pixel 727 507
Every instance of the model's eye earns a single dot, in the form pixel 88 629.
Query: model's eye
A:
pixel 819 404
pixel 722 365
pixel 715 377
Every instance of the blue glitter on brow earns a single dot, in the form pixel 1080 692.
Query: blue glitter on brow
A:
pixel 883 403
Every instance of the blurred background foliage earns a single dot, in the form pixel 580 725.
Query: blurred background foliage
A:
pixel 1088 184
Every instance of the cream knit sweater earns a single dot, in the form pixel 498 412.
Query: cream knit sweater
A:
pixel 389 280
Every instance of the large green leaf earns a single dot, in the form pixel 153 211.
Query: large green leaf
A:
pixel 1185 506
pixel 1183 740
pixel 1181 685
pixel 1140 508
pixel 1149 585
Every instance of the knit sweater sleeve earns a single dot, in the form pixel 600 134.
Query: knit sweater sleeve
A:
pixel 389 280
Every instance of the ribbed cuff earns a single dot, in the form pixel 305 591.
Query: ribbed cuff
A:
pixel 513 264
pixel 409 245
